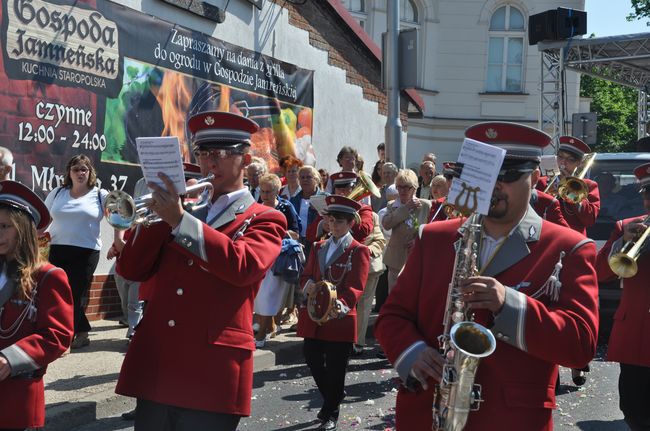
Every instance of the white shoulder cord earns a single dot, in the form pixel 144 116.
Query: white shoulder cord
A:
pixel 28 312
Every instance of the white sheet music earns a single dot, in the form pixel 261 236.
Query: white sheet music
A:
pixel 481 166
pixel 161 154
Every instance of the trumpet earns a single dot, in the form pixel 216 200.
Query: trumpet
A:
pixel 123 212
pixel 573 189
pixel 624 263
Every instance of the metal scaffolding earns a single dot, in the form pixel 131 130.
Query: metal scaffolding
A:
pixel 622 59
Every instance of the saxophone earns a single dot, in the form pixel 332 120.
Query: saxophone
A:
pixel 463 342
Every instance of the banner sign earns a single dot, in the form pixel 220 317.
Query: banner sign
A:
pixel 92 77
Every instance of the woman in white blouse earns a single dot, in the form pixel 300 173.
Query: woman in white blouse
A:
pixel 77 210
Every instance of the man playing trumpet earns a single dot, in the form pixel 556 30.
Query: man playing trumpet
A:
pixel 627 342
pixel 570 156
pixel 190 362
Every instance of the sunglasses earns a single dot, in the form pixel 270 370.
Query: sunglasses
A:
pixel 217 153
pixel 511 175
pixel 79 169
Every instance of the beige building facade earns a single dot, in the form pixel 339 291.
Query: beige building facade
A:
pixel 475 65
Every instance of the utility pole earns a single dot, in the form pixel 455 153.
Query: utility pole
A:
pixel 394 145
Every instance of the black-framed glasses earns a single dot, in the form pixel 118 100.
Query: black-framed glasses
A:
pixel 404 188
pixel 511 175
pixel 218 153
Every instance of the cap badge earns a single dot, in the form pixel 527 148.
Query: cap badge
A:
pixel 572 141
pixel 647 171
pixel 491 133
pixel 209 120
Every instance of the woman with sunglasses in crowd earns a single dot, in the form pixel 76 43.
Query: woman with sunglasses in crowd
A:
pixel 77 211
pixel 35 309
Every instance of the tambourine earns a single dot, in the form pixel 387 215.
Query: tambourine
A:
pixel 321 302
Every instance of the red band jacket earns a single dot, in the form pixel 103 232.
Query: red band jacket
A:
pixel 359 231
pixel 348 269
pixel 582 215
pixel 628 340
pixel 547 207
pixel 194 345
pixel 437 212
pixel 44 334
pixel 542 323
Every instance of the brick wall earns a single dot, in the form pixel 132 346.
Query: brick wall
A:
pixel 103 299
pixel 345 50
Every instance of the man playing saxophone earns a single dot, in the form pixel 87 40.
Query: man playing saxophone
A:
pixel 536 292
pixel 627 342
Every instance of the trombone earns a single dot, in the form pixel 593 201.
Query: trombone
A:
pixel 123 212
pixel 624 263
pixel 573 189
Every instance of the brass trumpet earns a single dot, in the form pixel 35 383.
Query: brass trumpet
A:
pixel 123 212
pixel 624 262
pixel 573 188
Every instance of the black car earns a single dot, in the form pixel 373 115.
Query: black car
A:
pixel 619 199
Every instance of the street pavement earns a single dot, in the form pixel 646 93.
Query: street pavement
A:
pixel 286 399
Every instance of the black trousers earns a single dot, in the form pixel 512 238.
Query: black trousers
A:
pixel 634 392
pixel 152 416
pixel 328 361
pixel 79 264
pixel 382 291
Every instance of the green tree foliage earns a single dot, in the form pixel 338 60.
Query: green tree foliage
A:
pixel 641 10
pixel 616 106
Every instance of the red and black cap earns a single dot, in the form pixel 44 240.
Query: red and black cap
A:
pixel 22 198
pixel 573 146
pixel 344 179
pixel 451 169
pixel 642 174
pixel 216 129
pixel 191 170
pixel 523 144
pixel 341 204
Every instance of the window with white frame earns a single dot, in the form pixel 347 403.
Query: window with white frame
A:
pixel 357 9
pixel 408 13
pixel 505 67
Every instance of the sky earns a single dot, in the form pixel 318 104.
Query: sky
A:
pixel 607 18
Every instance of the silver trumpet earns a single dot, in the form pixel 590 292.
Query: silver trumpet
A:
pixel 123 212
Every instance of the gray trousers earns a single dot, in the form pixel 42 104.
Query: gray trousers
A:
pixel 152 416
pixel 131 305
pixel 364 306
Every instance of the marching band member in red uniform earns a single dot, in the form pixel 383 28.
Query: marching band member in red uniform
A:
pixel 628 341
pixel 569 157
pixel 344 262
pixel 343 183
pixel 190 362
pixel 36 317
pixel 547 207
pixel 537 293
